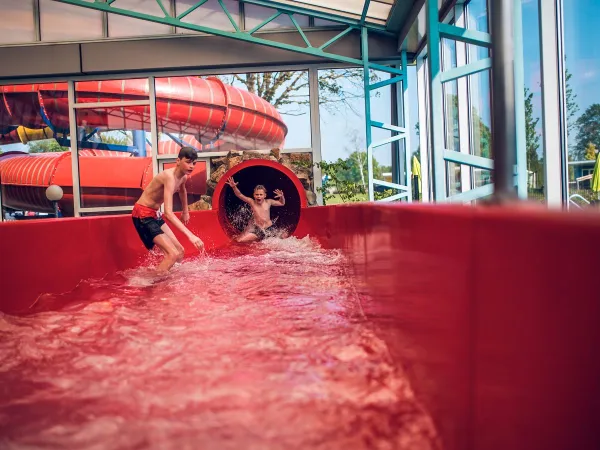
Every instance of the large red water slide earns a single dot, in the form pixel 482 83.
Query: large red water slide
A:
pixel 206 113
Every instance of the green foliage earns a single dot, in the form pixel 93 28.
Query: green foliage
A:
pixel 115 137
pixel 482 135
pixel 590 152
pixel 348 178
pixel 46 146
pixel 589 130
pixel 385 194
pixel 339 177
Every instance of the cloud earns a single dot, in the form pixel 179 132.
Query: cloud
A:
pixel 589 74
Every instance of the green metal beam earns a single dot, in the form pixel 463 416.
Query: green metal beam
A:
pixel 387 82
pixel 191 9
pixel 238 35
pixel 469 160
pixel 163 8
pixel 386 69
pixel 304 38
pixel 386 126
pixel 473 194
pixel 467 69
pixel 231 20
pixel 363 16
pixel 336 38
pixel 467 36
pixel 264 23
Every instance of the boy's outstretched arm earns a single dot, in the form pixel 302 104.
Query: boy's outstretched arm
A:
pixel 171 217
pixel 280 198
pixel 185 213
pixel 237 192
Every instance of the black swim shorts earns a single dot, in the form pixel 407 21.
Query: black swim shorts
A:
pixel 148 228
pixel 262 233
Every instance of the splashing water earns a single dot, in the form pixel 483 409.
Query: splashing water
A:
pixel 255 347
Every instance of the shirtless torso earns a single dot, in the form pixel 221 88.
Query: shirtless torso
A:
pixel 261 211
pixel 261 216
pixel 153 196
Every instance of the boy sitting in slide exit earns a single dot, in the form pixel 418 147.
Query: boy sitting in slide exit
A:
pixel 151 228
pixel 260 226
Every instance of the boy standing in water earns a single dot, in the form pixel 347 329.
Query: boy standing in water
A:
pixel 258 227
pixel 151 228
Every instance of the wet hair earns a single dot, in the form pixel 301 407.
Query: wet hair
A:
pixel 259 187
pixel 188 153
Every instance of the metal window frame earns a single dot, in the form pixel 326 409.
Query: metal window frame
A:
pixel 503 105
pixel 552 116
pixel 465 123
pixel 158 160
pixel 400 75
pixel 424 147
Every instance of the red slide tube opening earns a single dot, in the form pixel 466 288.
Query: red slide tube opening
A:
pixel 234 214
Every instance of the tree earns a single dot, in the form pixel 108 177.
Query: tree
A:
pixel 482 135
pixel 589 130
pixel 337 87
pixel 572 106
pixel 532 138
pixel 46 146
pixel 590 152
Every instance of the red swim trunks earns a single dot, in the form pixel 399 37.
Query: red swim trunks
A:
pixel 144 212
pixel 147 224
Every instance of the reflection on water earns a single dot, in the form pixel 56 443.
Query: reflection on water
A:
pixel 256 347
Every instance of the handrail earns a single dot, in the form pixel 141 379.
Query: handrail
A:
pixel 578 196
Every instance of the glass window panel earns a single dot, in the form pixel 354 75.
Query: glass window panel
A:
pixel 115 162
pixel 451 125
pixel 17 22
pixel 582 54
pixel 255 15
pixel 210 14
pixel 481 117
pixel 261 111
pixel 242 114
pixel 121 26
pixel 61 22
pixel 533 102
pixel 477 19
pixel 34 150
pixel 343 140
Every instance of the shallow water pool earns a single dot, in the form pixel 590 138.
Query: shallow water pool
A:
pixel 256 347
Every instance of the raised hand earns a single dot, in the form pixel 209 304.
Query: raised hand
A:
pixel 278 193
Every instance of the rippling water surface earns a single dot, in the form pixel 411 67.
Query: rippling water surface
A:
pixel 256 347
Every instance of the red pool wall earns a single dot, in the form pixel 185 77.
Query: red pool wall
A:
pixel 52 256
pixel 495 315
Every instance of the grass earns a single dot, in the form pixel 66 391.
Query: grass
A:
pixel 336 199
